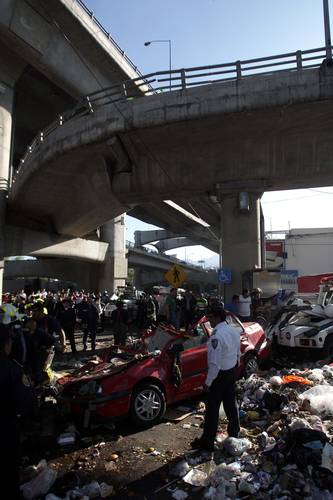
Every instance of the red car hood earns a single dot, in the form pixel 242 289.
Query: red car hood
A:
pixel 98 369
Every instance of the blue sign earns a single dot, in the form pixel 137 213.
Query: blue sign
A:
pixel 289 278
pixel 224 275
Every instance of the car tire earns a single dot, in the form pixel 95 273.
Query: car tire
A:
pixel 147 405
pixel 328 347
pixel 251 364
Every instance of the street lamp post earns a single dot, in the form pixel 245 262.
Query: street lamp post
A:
pixel 327 31
pixel 162 41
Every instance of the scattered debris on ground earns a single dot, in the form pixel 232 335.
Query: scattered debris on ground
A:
pixel 284 451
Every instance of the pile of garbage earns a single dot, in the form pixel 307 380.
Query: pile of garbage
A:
pixel 285 446
pixel 42 478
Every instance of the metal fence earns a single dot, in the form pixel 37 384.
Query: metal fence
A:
pixel 108 35
pixel 182 79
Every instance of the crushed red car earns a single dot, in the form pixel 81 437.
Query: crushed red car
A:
pixel 163 367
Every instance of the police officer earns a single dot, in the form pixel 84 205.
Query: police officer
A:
pixel 223 359
pixel 16 400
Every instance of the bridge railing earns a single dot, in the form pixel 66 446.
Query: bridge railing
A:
pixel 181 79
pixel 108 35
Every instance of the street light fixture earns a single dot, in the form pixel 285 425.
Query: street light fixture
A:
pixel 146 44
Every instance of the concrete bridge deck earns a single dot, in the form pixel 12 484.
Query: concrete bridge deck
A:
pixel 260 133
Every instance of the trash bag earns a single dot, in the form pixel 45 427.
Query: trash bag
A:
pixel 236 446
pixel 300 450
pixel 320 398
pixel 39 485
pixel 273 401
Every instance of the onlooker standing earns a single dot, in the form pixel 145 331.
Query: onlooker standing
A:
pixel 245 306
pixel 233 305
pixel 67 320
pixel 119 322
pixel 88 315
pixel 189 304
pixel 223 359
pixel 150 311
pixel 141 311
pixel 171 305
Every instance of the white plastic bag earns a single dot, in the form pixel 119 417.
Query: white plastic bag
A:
pixel 236 446
pixel 320 398
pixel 39 485
pixel 196 477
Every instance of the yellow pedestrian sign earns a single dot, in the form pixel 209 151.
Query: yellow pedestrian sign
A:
pixel 176 276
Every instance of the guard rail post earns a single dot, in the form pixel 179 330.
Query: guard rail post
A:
pixel 299 61
pixel 183 78
pixel 238 70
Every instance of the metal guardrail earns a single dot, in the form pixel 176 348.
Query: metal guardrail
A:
pixel 108 35
pixel 182 79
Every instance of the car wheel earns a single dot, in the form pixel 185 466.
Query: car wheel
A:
pixel 328 347
pixel 251 364
pixel 147 405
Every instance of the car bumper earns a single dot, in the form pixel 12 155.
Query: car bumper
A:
pixel 112 405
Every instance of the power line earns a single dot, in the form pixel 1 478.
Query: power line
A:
pixel 320 191
pixel 290 199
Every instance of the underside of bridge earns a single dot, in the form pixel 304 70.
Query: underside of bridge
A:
pixel 190 148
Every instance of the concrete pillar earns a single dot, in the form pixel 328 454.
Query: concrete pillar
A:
pixel 113 272
pixel 11 68
pixel 6 107
pixel 241 238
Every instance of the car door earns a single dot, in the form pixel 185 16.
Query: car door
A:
pixel 193 361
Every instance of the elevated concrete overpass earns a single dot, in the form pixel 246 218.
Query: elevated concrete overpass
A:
pixel 51 54
pixel 249 134
pixel 149 268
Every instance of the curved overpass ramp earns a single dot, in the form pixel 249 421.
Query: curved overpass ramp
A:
pixel 263 132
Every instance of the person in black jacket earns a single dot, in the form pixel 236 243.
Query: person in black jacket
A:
pixel 119 322
pixel 188 305
pixel 88 315
pixel 67 320
pixel 16 400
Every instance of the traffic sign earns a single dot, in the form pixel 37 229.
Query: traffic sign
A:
pixel 224 275
pixel 176 276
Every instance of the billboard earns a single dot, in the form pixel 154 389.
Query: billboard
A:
pixel 274 254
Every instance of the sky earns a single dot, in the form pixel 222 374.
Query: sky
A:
pixel 205 32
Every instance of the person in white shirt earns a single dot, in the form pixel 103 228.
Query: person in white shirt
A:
pixel 245 306
pixel 223 359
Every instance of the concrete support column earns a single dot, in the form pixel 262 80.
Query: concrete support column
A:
pixel 6 107
pixel 113 272
pixel 241 238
